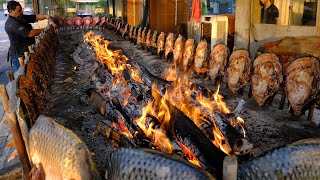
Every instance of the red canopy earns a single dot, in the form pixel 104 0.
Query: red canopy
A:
pixel 196 11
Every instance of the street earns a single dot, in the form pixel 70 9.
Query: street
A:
pixel 4 46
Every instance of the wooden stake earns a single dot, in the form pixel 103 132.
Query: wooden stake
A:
pixel 10 75
pixel 283 99
pixel 21 61
pixel 30 49
pixel 4 97
pixel 311 112
pixel 19 143
pixel 26 57
pixel 230 168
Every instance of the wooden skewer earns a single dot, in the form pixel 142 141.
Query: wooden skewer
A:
pixel 4 97
pixel 311 112
pixel 230 168
pixel 30 49
pixel 19 143
pixel 21 61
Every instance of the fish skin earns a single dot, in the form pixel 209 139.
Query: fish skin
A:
pixel 178 49
pixel 169 45
pixel 218 61
pixel 160 43
pixel 132 164
pixel 238 70
pixel 59 151
pixel 200 59
pixel 267 77
pixel 188 54
pixel 299 160
pixel 302 82
pixel 148 39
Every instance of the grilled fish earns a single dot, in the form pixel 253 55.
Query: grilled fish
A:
pixel 60 153
pixel 239 70
pixel 131 32
pixel 143 37
pixel 139 37
pixel 200 59
pixel 218 60
pixel 148 40
pixel 160 44
pixel 267 77
pixel 188 54
pixel 300 160
pixel 139 164
pixel 168 50
pixel 302 82
pixel 178 49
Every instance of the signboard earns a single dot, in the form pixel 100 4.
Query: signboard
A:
pixel 71 10
pixel 99 10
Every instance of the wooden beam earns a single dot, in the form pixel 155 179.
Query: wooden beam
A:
pixel 35 6
pixel 242 24
pixel 318 18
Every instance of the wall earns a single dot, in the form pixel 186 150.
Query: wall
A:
pixel 134 12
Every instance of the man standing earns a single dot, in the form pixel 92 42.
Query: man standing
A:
pixel 20 31
pixel 269 12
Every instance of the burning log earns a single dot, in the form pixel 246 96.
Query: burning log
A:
pixel 185 132
pixel 119 140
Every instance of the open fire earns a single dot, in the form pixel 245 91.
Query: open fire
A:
pixel 155 119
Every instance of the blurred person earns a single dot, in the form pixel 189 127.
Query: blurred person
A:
pixel 20 32
pixel 269 12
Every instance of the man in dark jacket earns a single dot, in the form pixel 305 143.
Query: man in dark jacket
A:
pixel 269 12
pixel 20 31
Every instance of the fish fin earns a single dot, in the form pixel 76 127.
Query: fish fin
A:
pixel 13 155
pixel 6 121
pixel 11 143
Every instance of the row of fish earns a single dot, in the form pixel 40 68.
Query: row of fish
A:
pixel 266 75
pixel 60 154
pixel 78 22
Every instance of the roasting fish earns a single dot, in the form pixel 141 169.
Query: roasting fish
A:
pixel 300 160
pixel 178 50
pixel 302 82
pixel 139 37
pixel 59 151
pixel 239 70
pixel 131 32
pixel 200 59
pixel 218 61
pixel 267 77
pixel 188 54
pixel 132 164
pixel 160 44
pixel 143 37
pixel 168 50
pixel 148 39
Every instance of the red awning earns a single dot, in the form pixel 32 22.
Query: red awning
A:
pixel 196 11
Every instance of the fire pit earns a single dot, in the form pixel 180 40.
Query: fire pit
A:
pixel 136 114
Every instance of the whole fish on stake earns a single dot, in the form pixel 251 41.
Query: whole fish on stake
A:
pixel 267 77
pixel 58 153
pixel 188 54
pixel 302 82
pixel 238 72
pixel 200 59
pixel 168 51
pixel 178 49
pixel 218 61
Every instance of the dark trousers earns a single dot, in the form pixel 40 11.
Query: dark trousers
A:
pixel 14 62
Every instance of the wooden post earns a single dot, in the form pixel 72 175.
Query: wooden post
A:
pixel 26 57
pixel 318 18
pixel 19 143
pixel 4 97
pixel 230 168
pixel 242 24
pixel 16 133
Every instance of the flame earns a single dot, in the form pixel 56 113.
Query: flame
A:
pixel 157 135
pixel 171 73
pixel 122 128
pixel 189 154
